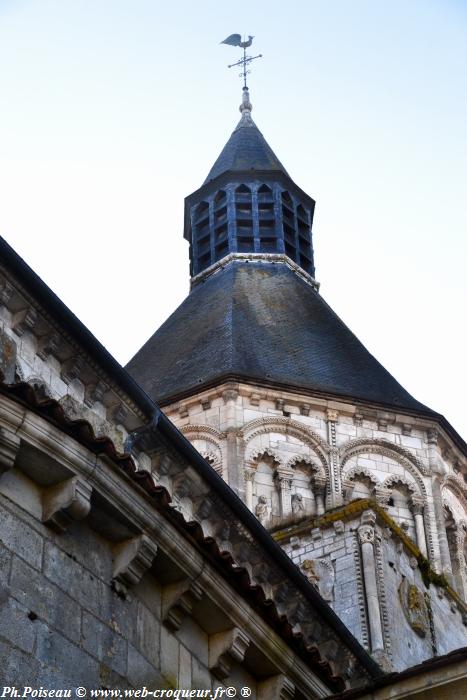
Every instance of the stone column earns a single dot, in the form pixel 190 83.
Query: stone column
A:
pixel 318 490
pixel 417 506
pixel 284 481
pixel 366 536
pixel 442 558
pixel 249 475
pixel 334 495
pixel 230 427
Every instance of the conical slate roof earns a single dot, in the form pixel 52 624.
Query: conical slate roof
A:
pixel 247 149
pixel 261 321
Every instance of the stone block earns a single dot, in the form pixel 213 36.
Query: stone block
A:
pixel 201 678
pixel 184 668
pixel 44 599
pixel 5 565
pixel 104 644
pixel 16 626
pixel 80 584
pixel 18 667
pixel 141 672
pixel 148 635
pixel 21 539
pixel 7 357
pixel 169 656
pixel 72 662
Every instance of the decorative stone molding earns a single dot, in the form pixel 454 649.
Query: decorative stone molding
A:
pixel 288 426
pixel 132 558
pixel 207 403
pixel 198 431
pixel 432 436
pixel 304 409
pixel 178 600
pixel 395 479
pixel 226 648
pixel 67 501
pixel 304 460
pixel 451 483
pixel 261 453
pixel 386 448
pixel 214 460
pixel 280 404
pixel 407 429
pixel 353 472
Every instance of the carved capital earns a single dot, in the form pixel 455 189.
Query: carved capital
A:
pixel 332 415
pixel 9 446
pixel 178 600
pixel 382 496
pixel 416 505
pixel 366 534
pixel 226 648
pixel 132 558
pixel 284 477
pixel 249 474
pixel 67 501
pixel 319 485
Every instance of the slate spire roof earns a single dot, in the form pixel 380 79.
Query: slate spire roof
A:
pixel 257 318
pixel 247 149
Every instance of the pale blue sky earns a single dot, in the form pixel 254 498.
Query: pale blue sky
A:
pixel 112 111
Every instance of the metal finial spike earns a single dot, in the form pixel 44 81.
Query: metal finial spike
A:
pixel 246 105
pixel 236 40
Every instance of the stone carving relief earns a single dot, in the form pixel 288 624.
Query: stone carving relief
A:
pixel 298 507
pixel 414 607
pixel 262 509
pixel 320 573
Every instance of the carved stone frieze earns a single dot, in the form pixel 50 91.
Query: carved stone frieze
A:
pixel 414 607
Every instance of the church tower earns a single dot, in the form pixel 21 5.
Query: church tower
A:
pixel 362 485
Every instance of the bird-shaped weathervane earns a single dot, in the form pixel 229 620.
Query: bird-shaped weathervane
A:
pixel 236 40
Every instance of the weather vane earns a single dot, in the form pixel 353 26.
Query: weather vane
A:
pixel 236 40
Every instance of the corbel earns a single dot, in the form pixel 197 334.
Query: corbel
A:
pixel 71 369
pixel 132 558
pixel 67 501
pixel 6 292
pixel 48 344
pixel 225 649
pixel 275 688
pixel 24 320
pixel 9 446
pixel 178 600
pixel 95 392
